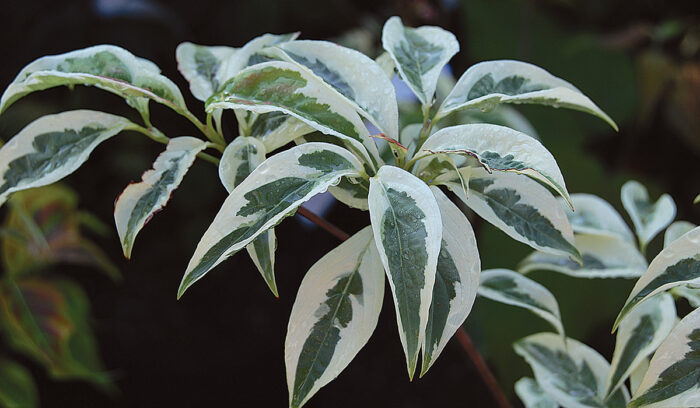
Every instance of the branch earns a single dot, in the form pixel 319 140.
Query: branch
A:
pixel 461 335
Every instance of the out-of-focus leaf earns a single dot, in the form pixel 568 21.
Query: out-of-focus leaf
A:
pixel 48 321
pixel 17 388
pixel 648 218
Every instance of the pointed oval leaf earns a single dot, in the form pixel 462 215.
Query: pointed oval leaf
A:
pixel 240 158
pixel 570 372
pixel 284 87
pixel 673 377
pixel 648 219
pixel 271 192
pixel 276 129
pixel 52 147
pixel 489 83
pixel 334 314
pixel 351 74
pixel 499 148
pixel 104 66
pixel 677 230
pixel 595 216
pixel 139 202
pixel 456 280
pixel 201 65
pixel 532 395
pixel 676 265
pixel 603 257
pixel 641 332
pixel 407 230
pixel 419 54
pixel 512 288
pixel 521 208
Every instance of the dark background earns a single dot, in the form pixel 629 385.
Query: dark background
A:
pixel 222 343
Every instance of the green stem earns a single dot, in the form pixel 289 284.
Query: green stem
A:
pixel 158 136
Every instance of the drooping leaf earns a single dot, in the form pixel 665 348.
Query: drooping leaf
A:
pixel 673 377
pixel 139 202
pixel 53 147
pixel 240 158
pixel 48 321
pixel 521 208
pixel 408 232
pixel 485 85
pixel 284 87
pixel 202 66
pixel 352 75
pixel 499 148
pixel 676 265
pixel 334 314
pixel 603 257
pixel 595 216
pixel 456 280
pixel 648 219
pixel 676 230
pixel 640 333
pixel 17 388
pixel 419 54
pixel 271 192
pixel 276 129
pixel 47 225
pixel 103 66
pixel 570 372
pixel 502 115
pixel 532 395
pixel 512 288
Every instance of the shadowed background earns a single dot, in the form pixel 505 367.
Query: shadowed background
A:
pixel 222 343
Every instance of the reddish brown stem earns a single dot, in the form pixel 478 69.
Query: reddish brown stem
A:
pixel 461 335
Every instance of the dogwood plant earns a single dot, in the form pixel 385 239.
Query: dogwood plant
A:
pixel 324 99
pixel 659 354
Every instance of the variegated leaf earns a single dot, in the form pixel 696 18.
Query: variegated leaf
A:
pixel 352 75
pixel 603 257
pixel 595 216
pixel 532 395
pixel 689 293
pixel 676 265
pixel 250 53
pixel 334 314
pixel 271 192
pixel 140 201
pixel 283 87
pixel 503 115
pixel 521 208
pixel 52 147
pixel 676 230
pixel 648 219
pixel 420 54
pixel 407 230
pixel 499 148
pixel 485 85
pixel 240 158
pixel 456 280
pixel 352 193
pixel 276 129
pixel 387 64
pixel 673 377
pixel 202 67
pixel 570 372
pixel 512 288
pixel 104 66
pixel 641 332
pixel 409 136
pixel 638 374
